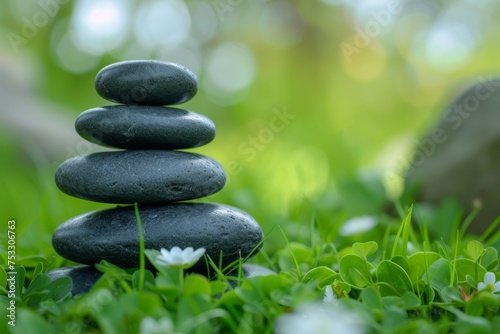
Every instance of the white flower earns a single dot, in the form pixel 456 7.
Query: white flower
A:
pixel 330 297
pixel 489 283
pixel 180 258
pixel 150 326
pixel 357 225
pixel 320 319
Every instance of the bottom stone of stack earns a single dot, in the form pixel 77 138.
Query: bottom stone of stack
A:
pixel 113 234
pixel 84 277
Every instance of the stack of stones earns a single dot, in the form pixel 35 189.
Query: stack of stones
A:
pixel 148 171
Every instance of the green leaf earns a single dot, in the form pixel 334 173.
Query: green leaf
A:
pixel 302 253
pixel 451 294
pixel 440 274
pixel 493 265
pixel 475 250
pixel 38 269
pixel 20 276
pixel 471 281
pixel 396 279
pixel 469 267
pixel 417 262
pixel 39 284
pixel 50 306
pixel 364 249
pixel 371 298
pixel 189 308
pixel 323 275
pixel 60 288
pixel 490 258
pixel 427 293
pixel 355 270
pixel 29 321
pixel 410 300
pixel 471 324
pixel 402 261
pixel 196 284
pixel 394 317
pixel 148 278
pixel 291 276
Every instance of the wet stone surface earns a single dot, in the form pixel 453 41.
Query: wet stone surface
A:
pixel 151 176
pixel 146 82
pixel 112 234
pixel 145 127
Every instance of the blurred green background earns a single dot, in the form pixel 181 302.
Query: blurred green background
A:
pixel 317 103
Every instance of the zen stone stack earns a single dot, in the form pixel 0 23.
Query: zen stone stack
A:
pixel 150 171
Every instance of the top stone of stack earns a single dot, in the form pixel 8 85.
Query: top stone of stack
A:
pixel 146 82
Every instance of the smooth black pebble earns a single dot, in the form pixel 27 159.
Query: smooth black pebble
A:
pixel 146 82
pixel 112 234
pixel 145 127
pixel 152 176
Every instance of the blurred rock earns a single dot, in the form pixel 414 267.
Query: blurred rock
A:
pixel 40 129
pixel 460 157
pixel 83 277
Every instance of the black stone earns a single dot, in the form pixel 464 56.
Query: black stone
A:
pixel 146 82
pixel 84 277
pixel 140 176
pixel 145 127
pixel 112 234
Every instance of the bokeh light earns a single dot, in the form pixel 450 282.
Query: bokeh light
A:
pixel 162 22
pixel 100 26
pixel 364 110
pixel 231 68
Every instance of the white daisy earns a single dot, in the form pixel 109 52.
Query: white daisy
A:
pixel 489 283
pixel 150 326
pixel 357 225
pixel 180 258
pixel 320 319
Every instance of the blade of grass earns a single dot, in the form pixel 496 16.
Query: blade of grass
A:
pixel 468 220
pixel 489 230
pixel 142 256
pixel 403 232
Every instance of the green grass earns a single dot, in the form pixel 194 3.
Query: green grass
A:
pixel 416 270
pixel 397 277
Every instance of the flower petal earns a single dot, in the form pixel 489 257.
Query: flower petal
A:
pixel 176 251
pixel 163 251
pixel 188 251
pixel 489 278
pixel 197 254
pixel 329 296
pixel 497 287
pixel 481 286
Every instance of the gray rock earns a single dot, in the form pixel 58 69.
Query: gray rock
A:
pixel 145 127
pixel 248 270
pixel 460 158
pixel 84 277
pixel 140 176
pixel 251 270
pixel 112 234
pixel 146 82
